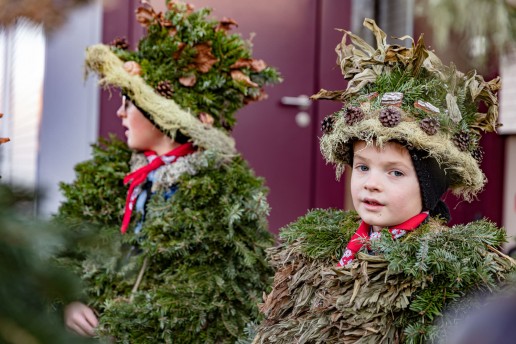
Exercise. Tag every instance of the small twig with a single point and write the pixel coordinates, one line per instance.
(513, 262)
(139, 279)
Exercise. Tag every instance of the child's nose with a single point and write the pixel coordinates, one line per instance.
(373, 182)
(121, 112)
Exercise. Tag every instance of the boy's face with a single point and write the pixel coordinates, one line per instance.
(141, 133)
(384, 185)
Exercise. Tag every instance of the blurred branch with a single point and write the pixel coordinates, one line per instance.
(488, 25)
(49, 13)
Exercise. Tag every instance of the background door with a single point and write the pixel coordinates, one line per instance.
(279, 141)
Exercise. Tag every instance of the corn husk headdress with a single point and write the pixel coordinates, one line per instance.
(186, 68)
(409, 95)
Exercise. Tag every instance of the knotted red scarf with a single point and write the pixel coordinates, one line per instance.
(361, 236)
(137, 177)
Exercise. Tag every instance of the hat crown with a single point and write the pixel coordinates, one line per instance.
(195, 61)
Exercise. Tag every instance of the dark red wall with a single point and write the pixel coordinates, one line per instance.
(117, 21)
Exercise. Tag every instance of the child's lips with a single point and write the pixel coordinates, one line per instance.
(372, 204)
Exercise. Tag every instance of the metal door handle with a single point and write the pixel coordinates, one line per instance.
(302, 101)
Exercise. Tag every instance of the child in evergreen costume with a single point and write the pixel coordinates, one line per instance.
(409, 129)
(191, 265)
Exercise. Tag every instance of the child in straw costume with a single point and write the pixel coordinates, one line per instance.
(189, 266)
(409, 129)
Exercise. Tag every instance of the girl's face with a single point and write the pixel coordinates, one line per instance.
(384, 185)
(141, 133)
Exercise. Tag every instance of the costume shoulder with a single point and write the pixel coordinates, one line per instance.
(394, 296)
(319, 235)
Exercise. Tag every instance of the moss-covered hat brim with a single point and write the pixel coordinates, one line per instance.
(465, 176)
(164, 113)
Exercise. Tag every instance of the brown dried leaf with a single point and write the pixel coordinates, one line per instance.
(241, 77)
(420, 54)
(165, 22)
(328, 95)
(378, 33)
(188, 80)
(255, 65)
(145, 15)
(132, 67)
(180, 47)
(178, 6)
(205, 59)
(4, 140)
(225, 24)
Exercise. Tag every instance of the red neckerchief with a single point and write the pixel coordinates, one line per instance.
(137, 177)
(361, 236)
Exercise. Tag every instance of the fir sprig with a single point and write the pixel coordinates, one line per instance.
(324, 232)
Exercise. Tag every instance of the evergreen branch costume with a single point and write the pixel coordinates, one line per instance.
(393, 287)
(191, 267)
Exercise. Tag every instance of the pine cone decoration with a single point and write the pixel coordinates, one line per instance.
(120, 43)
(390, 116)
(478, 154)
(353, 115)
(429, 125)
(165, 89)
(462, 140)
(327, 124)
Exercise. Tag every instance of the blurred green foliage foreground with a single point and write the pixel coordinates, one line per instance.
(31, 287)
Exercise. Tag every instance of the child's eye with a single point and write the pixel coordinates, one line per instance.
(396, 173)
(362, 168)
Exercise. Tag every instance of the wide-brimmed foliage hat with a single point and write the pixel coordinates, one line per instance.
(187, 67)
(408, 95)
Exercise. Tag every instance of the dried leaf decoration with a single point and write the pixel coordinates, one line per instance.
(204, 59)
(255, 65)
(132, 67)
(188, 80)
(362, 65)
(146, 16)
(226, 24)
(241, 77)
(178, 6)
(180, 47)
